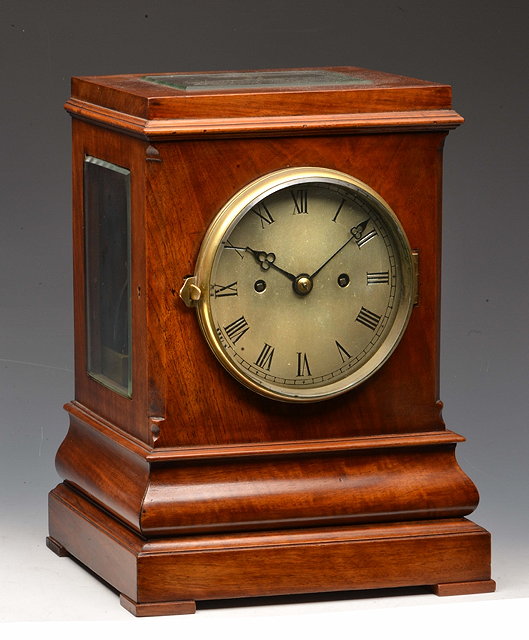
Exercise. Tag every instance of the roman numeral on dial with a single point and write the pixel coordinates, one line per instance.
(338, 210)
(300, 198)
(222, 291)
(236, 329)
(229, 245)
(303, 365)
(264, 360)
(368, 318)
(342, 351)
(378, 277)
(262, 212)
(369, 236)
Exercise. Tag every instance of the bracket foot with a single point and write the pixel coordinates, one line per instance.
(142, 609)
(464, 588)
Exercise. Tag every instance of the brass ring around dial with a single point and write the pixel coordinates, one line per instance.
(228, 340)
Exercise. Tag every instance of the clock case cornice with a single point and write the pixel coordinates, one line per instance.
(156, 112)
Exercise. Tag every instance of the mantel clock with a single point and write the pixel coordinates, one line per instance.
(257, 278)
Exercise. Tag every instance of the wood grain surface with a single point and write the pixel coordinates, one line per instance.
(182, 569)
(197, 488)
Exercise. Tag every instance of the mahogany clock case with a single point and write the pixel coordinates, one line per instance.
(193, 477)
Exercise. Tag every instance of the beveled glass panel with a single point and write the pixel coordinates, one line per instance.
(107, 237)
(257, 80)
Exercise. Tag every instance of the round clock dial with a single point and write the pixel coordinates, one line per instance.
(307, 283)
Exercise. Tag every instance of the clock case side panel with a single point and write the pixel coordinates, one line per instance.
(204, 405)
(126, 413)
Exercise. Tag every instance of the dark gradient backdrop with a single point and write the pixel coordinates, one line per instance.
(480, 47)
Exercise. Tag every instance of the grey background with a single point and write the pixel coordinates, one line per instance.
(478, 47)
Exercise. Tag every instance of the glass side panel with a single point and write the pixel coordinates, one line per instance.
(107, 238)
(256, 80)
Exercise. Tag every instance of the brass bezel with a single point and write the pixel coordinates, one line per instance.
(221, 227)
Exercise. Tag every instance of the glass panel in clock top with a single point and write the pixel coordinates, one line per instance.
(257, 80)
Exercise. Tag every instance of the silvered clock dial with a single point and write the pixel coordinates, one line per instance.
(304, 284)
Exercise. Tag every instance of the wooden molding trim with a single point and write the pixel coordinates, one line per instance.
(189, 128)
(151, 455)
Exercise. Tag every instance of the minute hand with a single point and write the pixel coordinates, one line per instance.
(356, 232)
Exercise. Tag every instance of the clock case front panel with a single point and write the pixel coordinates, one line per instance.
(194, 452)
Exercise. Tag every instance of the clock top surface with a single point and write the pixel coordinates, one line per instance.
(276, 92)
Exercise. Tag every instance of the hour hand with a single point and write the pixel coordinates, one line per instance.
(265, 260)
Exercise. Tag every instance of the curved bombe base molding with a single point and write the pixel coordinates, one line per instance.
(264, 486)
(168, 575)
